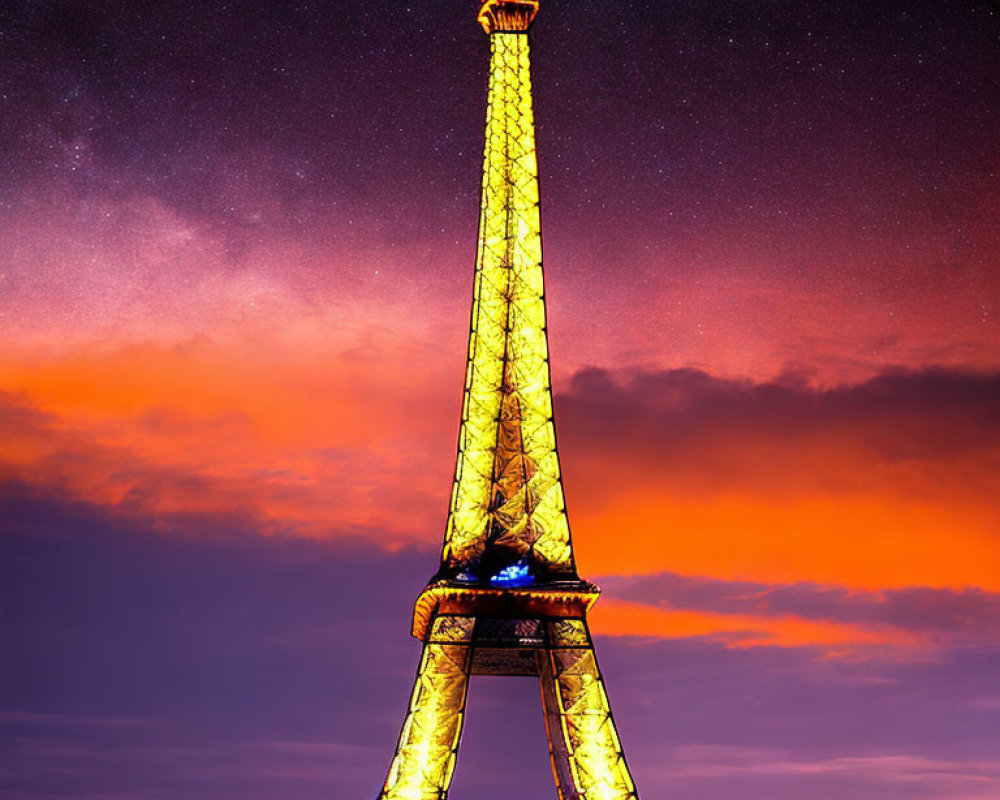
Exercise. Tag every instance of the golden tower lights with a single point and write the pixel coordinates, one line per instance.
(506, 599)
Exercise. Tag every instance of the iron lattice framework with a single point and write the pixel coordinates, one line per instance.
(507, 599)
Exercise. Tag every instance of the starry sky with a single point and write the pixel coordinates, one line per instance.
(235, 273)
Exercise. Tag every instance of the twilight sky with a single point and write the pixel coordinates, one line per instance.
(235, 274)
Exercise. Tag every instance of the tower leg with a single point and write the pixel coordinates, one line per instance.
(587, 758)
(428, 743)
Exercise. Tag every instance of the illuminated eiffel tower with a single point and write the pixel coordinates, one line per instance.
(507, 599)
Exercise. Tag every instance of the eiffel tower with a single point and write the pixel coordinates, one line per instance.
(507, 599)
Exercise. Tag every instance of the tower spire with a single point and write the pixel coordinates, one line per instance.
(507, 16)
(506, 599)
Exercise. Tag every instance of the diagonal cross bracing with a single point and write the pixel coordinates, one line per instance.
(508, 492)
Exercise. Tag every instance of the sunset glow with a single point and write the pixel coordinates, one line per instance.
(235, 282)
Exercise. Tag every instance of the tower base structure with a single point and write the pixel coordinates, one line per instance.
(541, 632)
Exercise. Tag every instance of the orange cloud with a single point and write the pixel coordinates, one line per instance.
(860, 541)
(299, 445)
(888, 484)
(613, 617)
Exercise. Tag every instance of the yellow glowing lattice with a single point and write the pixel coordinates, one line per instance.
(507, 490)
(425, 753)
(587, 757)
(507, 494)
